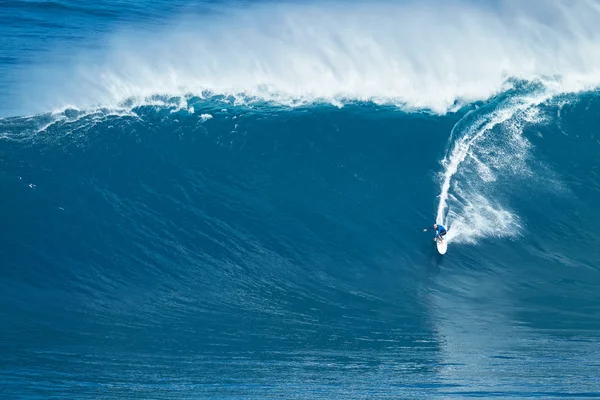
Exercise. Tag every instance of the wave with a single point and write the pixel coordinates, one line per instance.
(435, 56)
(486, 152)
(173, 213)
(194, 217)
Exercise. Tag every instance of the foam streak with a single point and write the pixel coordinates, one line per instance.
(491, 143)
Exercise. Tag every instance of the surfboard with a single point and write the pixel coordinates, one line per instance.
(442, 247)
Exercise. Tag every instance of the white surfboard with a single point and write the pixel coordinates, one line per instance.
(441, 247)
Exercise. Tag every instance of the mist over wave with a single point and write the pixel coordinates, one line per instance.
(430, 55)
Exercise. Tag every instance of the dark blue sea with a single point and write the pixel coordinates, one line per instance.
(226, 199)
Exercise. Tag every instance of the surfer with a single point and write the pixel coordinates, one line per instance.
(439, 232)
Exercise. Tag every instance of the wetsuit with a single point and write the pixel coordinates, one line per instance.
(440, 231)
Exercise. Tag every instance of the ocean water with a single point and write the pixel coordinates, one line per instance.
(226, 200)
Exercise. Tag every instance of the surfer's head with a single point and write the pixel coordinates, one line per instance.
(434, 226)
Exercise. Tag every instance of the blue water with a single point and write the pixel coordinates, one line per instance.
(227, 200)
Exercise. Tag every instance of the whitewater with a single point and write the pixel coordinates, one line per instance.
(435, 56)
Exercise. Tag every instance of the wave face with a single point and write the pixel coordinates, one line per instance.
(231, 209)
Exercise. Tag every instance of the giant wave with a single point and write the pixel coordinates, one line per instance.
(232, 205)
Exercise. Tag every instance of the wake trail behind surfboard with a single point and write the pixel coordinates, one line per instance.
(483, 145)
